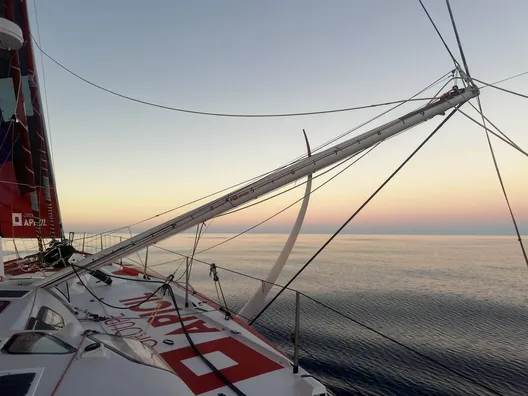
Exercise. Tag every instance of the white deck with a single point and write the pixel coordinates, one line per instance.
(250, 362)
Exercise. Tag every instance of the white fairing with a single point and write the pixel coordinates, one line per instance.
(11, 37)
(256, 302)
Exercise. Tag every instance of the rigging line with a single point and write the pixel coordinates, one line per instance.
(506, 79)
(219, 267)
(439, 34)
(199, 229)
(319, 361)
(437, 81)
(382, 114)
(510, 143)
(361, 153)
(493, 125)
(207, 196)
(213, 368)
(401, 344)
(458, 41)
(295, 202)
(445, 85)
(249, 205)
(504, 89)
(207, 113)
(503, 188)
(290, 162)
(262, 325)
(110, 305)
(346, 317)
(356, 212)
(44, 84)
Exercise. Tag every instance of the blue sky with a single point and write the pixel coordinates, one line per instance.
(117, 162)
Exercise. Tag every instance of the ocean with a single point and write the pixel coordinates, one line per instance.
(380, 314)
(458, 300)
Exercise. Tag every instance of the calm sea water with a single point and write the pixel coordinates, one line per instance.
(461, 300)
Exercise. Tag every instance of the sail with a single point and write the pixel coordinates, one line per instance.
(28, 203)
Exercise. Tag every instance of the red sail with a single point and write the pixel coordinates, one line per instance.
(21, 174)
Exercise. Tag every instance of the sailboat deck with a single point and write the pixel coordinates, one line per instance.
(238, 352)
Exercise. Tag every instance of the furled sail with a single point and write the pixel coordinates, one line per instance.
(28, 198)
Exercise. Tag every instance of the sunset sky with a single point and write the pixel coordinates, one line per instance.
(117, 162)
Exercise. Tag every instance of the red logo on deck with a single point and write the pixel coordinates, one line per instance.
(246, 363)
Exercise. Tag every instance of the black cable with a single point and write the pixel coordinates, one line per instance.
(501, 182)
(110, 305)
(451, 370)
(458, 40)
(339, 377)
(412, 98)
(207, 113)
(504, 89)
(364, 153)
(439, 34)
(199, 229)
(355, 213)
(508, 141)
(367, 327)
(485, 127)
(166, 287)
(249, 205)
(505, 79)
(218, 373)
(505, 137)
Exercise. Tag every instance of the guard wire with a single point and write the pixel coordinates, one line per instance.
(215, 114)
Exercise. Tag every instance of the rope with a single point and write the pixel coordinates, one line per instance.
(348, 317)
(215, 114)
(507, 141)
(504, 79)
(356, 212)
(216, 280)
(166, 287)
(115, 306)
(291, 162)
(503, 188)
(502, 133)
(218, 373)
(439, 34)
(504, 89)
(154, 313)
(44, 85)
(458, 40)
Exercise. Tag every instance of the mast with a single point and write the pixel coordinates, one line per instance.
(20, 124)
(271, 182)
(36, 102)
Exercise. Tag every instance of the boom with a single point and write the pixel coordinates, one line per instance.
(273, 181)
